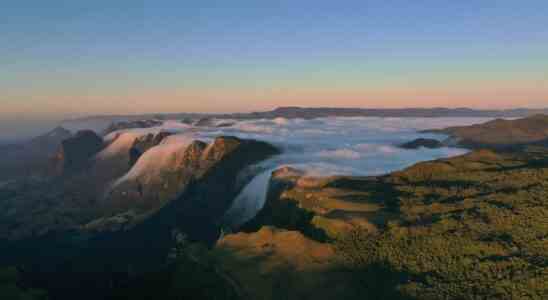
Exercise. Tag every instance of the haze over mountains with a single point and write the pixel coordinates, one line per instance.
(284, 191)
(100, 122)
(13, 130)
(318, 112)
(274, 150)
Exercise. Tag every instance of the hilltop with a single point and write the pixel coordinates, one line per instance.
(500, 133)
(436, 230)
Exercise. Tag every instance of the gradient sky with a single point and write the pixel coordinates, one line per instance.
(72, 58)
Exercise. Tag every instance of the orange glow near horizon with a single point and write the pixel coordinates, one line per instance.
(493, 96)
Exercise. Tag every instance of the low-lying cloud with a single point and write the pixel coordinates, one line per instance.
(320, 147)
(341, 146)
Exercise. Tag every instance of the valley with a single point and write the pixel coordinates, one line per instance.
(342, 208)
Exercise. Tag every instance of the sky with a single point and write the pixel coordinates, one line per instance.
(72, 58)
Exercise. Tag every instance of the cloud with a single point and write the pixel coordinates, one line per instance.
(339, 153)
(320, 147)
(158, 159)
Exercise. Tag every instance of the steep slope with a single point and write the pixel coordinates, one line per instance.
(501, 134)
(115, 159)
(201, 179)
(441, 230)
(91, 242)
(436, 230)
(144, 143)
(322, 208)
(204, 177)
(31, 157)
(75, 152)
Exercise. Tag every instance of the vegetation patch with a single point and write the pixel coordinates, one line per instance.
(471, 227)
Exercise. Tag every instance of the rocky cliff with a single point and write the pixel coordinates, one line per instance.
(437, 230)
(200, 180)
(75, 152)
(432, 231)
(144, 143)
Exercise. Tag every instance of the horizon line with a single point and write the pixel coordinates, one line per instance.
(106, 115)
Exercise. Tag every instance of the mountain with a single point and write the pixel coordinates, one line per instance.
(77, 225)
(144, 143)
(141, 213)
(115, 126)
(433, 231)
(99, 193)
(501, 134)
(75, 152)
(31, 157)
(308, 113)
(130, 121)
(50, 139)
(198, 181)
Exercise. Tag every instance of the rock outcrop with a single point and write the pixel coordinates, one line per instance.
(75, 152)
(196, 189)
(321, 208)
(199, 183)
(422, 143)
(142, 144)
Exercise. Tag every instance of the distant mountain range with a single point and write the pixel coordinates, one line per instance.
(304, 112)
(319, 112)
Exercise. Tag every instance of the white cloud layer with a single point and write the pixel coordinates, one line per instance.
(321, 147)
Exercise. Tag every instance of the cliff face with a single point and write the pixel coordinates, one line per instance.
(198, 183)
(437, 229)
(432, 230)
(216, 184)
(75, 152)
(144, 143)
(291, 240)
(322, 208)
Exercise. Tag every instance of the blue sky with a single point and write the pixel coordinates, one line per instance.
(64, 58)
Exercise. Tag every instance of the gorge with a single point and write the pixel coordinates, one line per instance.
(237, 186)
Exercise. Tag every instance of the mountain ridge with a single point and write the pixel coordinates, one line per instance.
(316, 112)
(500, 133)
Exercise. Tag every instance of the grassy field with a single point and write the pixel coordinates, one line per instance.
(469, 227)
